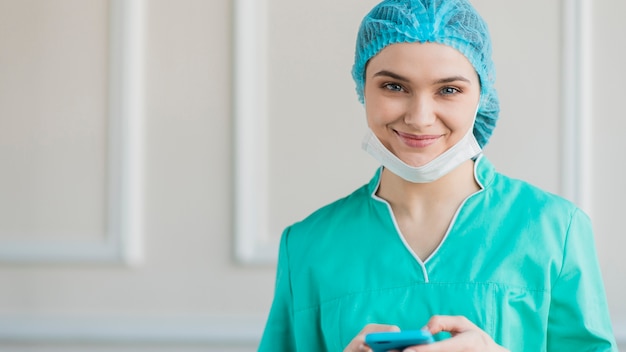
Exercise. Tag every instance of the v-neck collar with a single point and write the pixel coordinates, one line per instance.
(484, 173)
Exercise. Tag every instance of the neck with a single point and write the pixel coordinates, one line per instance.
(452, 187)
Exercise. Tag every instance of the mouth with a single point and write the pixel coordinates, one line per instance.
(417, 140)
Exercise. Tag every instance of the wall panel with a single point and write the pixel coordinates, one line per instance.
(213, 93)
(70, 131)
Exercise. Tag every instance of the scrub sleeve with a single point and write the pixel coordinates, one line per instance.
(578, 306)
(278, 335)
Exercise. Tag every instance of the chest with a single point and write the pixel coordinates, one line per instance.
(424, 233)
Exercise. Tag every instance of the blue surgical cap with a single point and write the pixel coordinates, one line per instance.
(451, 22)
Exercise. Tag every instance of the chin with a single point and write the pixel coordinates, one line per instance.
(417, 162)
(418, 159)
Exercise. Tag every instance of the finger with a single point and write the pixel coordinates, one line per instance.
(442, 346)
(459, 343)
(358, 343)
(452, 324)
(378, 328)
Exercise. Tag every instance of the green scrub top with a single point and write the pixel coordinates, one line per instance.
(520, 263)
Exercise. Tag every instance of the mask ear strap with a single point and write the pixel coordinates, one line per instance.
(471, 129)
(476, 113)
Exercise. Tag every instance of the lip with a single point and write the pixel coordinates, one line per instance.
(417, 140)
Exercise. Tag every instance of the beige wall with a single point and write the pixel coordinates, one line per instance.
(65, 288)
(608, 134)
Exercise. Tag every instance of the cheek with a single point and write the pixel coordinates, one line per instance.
(374, 114)
(380, 110)
(461, 121)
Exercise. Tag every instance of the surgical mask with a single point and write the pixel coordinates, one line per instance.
(463, 150)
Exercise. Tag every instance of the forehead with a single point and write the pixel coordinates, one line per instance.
(421, 60)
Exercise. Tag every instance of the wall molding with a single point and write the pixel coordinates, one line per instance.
(576, 104)
(199, 330)
(122, 242)
(253, 243)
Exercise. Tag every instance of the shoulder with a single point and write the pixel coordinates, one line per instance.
(334, 213)
(515, 200)
(543, 211)
(522, 194)
(335, 226)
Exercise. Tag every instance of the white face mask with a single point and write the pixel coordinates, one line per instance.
(463, 150)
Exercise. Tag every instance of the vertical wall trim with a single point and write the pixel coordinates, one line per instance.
(577, 100)
(252, 240)
(125, 141)
(577, 87)
(126, 130)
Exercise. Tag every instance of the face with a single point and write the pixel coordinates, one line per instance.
(420, 99)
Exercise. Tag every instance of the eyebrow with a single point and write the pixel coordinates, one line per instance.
(392, 75)
(452, 79)
(404, 79)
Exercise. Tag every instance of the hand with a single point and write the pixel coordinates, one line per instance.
(466, 337)
(358, 342)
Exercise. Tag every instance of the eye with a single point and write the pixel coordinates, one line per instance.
(394, 87)
(449, 91)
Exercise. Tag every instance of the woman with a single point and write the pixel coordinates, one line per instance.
(438, 239)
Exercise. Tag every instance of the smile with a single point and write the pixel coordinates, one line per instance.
(417, 141)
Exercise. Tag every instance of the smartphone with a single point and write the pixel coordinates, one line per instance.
(385, 341)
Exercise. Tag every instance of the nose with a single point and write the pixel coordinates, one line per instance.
(420, 112)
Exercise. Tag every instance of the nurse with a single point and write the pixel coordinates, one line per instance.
(438, 239)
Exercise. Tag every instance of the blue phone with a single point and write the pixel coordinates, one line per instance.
(385, 341)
